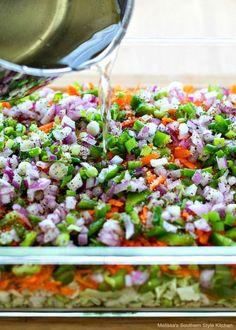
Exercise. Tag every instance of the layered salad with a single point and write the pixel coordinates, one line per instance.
(166, 178)
(118, 286)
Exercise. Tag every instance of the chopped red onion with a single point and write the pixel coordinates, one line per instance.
(191, 124)
(129, 228)
(6, 192)
(143, 133)
(206, 276)
(173, 135)
(137, 185)
(116, 160)
(9, 172)
(70, 202)
(41, 184)
(49, 229)
(142, 143)
(16, 182)
(121, 186)
(138, 277)
(202, 224)
(90, 183)
(139, 171)
(111, 191)
(128, 280)
(70, 139)
(97, 191)
(130, 157)
(83, 239)
(42, 165)
(97, 277)
(222, 163)
(88, 138)
(185, 143)
(199, 208)
(48, 115)
(197, 177)
(20, 209)
(169, 227)
(189, 226)
(67, 122)
(111, 233)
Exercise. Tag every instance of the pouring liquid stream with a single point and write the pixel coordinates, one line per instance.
(105, 94)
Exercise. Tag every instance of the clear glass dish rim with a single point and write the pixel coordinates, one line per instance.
(118, 255)
(144, 312)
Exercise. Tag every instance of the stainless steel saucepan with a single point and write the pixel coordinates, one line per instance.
(43, 39)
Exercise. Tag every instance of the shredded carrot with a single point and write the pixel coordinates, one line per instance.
(146, 159)
(6, 105)
(91, 85)
(180, 152)
(50, 103)
(128, 268)
(232, 89)
(159, 243)
(47, 127)
(188, 89)
(122, 100)
(87, 283)
(115, 202)
(113, 210)
(159, 180)
(185, 215)
(128, 123)
(143, 215)
(187, 163)
(195, 273)
(166, 120)
(4, 284)
(91, 212)
(203, 236)
(71, 90)
(66, 291)
(141, 241)
(198, 103)
(113, 269)
(150, 177)
(109, 215)
(110, 155)
(164, 268)
(183, 271)
(233, 270)
(172, 112)
(49, 286)
(84, 271)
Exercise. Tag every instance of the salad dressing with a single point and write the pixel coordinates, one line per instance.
(105, 93)
(66, 35)
(74, 32)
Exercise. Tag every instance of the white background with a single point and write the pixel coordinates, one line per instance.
(142, 59)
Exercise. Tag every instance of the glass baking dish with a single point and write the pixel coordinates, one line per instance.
(120, 281)
(143, 59)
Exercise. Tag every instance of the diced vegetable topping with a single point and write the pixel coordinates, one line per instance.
(118, 286)
(168, 176)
